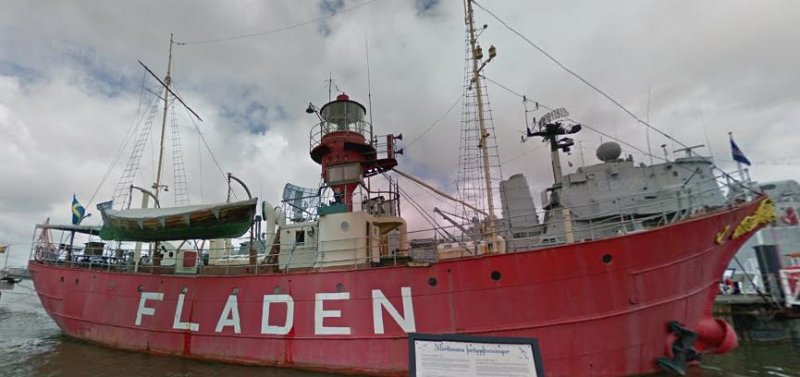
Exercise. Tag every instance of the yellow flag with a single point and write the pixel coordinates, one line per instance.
(3, 248)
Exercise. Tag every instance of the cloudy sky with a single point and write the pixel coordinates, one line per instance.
(70, 86)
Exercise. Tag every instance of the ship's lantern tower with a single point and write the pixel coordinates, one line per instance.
(344, 115)
(342, 143)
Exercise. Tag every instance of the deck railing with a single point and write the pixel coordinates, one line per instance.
(621, 218)
(323, 128)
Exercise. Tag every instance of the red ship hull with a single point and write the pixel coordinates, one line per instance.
(592, 316)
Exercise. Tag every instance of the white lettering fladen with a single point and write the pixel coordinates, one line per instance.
(176, 322)
(144, 310)
(266, 328)
(379, 301)
(230, 316)
(320, 314)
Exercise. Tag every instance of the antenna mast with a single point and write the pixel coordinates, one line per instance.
(369, 88)
(330, 85)
(167, 81)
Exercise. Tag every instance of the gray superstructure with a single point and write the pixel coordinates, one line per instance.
(519, 212)
(612, 197)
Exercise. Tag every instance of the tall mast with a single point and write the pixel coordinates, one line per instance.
(167, 82)
(476, 57)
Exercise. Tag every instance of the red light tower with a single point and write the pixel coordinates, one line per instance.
(343, 144)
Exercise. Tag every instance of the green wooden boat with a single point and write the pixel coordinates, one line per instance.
(208, 221)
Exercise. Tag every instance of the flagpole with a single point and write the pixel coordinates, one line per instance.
(759, 234)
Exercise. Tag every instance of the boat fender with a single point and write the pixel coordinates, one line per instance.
(684, 346)
(715, 335)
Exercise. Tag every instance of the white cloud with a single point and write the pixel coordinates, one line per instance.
(69, 86)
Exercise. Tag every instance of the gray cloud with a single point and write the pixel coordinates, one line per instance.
(69, 86)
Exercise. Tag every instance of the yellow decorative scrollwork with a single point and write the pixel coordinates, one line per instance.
(765, 214)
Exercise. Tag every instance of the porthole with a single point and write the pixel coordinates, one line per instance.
(345, 226)
(495, 275)
(432, 281)
(607, 258)
(340, 287)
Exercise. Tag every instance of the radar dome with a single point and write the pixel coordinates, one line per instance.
(608, 151)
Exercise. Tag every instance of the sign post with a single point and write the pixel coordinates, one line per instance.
(445, 355)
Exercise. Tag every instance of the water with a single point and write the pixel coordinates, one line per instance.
(777, 360)
(32, 345)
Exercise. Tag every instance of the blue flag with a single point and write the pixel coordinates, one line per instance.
(738, 156)
(77, 211)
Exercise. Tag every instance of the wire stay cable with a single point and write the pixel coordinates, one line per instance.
(432, 125)
(579, 77)
(278, 30)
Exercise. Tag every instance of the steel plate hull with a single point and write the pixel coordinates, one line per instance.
(592, 316)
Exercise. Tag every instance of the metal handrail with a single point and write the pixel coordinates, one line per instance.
(323, 128)
(618, 218)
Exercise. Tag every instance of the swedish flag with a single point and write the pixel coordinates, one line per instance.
(77, 211)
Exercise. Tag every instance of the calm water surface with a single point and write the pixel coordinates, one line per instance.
(32, 345)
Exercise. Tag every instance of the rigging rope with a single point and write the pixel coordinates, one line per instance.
(526, 98)
(536, 148)
(413, 203)
(285, 28)
(432, 125)
(121, 148)
(205, 142)
(646, 154)
(583, 80)
(427, 217)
